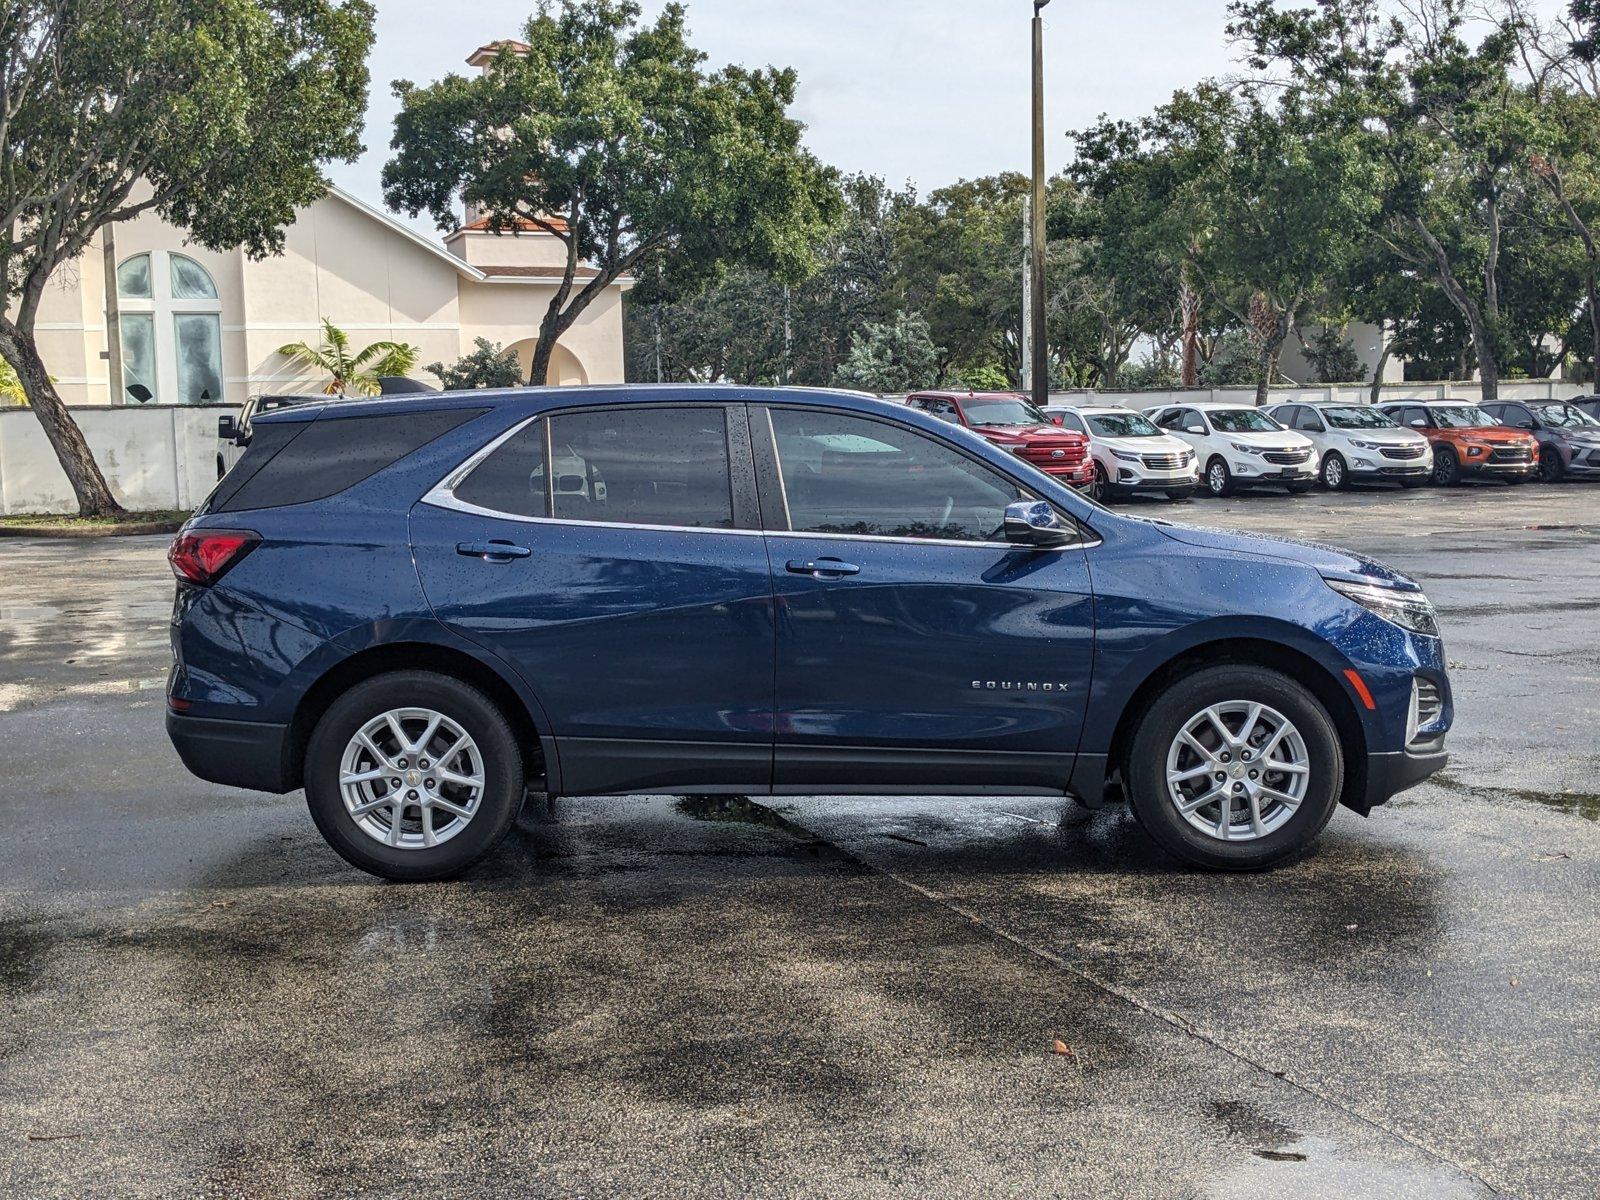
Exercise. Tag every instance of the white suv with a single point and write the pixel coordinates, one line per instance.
(1359, 442)
(1131, 454)
(1239, 446)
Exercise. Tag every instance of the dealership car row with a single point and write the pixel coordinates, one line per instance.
(1220, 447)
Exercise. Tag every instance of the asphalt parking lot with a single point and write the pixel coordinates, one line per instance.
(829, 996)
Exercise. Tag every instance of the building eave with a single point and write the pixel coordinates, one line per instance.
(404, 230)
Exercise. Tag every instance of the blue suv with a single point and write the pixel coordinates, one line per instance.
(418, 609)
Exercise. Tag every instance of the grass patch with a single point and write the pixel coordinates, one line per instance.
(44, 523)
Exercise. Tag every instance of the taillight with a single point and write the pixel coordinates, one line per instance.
(204, 556)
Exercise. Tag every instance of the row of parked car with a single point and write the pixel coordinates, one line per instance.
(1218, 446)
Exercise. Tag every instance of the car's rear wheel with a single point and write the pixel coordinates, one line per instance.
(1334, 475)
(1235, 768)
(1446, 467)
(1219, 480)
(413, 775)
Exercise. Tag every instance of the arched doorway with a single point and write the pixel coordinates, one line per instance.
(565, 369)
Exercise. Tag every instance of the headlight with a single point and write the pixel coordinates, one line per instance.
(1246, 449)
(1126, 455)
(1409, 610)
(1360, 445)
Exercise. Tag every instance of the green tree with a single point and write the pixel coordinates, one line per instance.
(1443, 120)
(610, 136)
(897, 356)
(351, 373)
(214, 114)
(958, 261)
(488, 366)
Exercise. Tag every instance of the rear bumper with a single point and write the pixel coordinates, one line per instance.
(1392, 772)
(246, 754)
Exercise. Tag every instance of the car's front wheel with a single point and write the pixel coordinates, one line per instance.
(1551, 468)
(413, 775)
(1235, 768)
(1334, 476)
(1219, 480)
(1446, 467)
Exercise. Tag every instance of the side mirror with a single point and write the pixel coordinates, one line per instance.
(227, 430)
(1035, 523)
(1057, 419)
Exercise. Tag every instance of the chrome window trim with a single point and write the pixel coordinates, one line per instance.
(442, 495)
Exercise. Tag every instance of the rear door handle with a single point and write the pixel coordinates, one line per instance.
(492, 551)
(822, 568)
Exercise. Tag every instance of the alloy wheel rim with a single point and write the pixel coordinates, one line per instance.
(411, 778)
(1216, 477)
(1238, 771)
(1335, 473)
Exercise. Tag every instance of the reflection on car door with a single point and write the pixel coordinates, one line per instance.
(612, 556)
(915, 649)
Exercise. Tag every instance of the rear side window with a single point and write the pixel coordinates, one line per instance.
(642, 466)
(297, 462)
(512, 479)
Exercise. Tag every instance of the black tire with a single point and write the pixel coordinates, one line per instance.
(1299, 489)
(1335, 472)
(1100, 489)
(1173, 709)
(1180, 493)
(1446, 467)
(1551, 468)
(1218, 479)
(462, 703)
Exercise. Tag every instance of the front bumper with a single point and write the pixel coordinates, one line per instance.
(1392, 772)
(1258, 472)
(246, 754)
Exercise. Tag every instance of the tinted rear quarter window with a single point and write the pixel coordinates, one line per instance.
(297, 462)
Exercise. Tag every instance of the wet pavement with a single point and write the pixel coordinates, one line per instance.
(819, 996)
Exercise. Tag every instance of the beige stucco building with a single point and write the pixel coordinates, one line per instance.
(201, 326)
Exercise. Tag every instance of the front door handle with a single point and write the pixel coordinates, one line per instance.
(822, 568)
(494, 551)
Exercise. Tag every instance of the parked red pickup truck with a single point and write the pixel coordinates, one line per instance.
(1012, 422)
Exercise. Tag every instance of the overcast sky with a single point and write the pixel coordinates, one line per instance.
(929, 91)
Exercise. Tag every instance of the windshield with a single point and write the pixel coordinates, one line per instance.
(1564, 416)
(1121, 425)
(1003, 412)
(1242, 420)
(1357, 418)
(1461, 416)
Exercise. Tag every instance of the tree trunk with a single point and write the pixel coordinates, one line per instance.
(1273, 337)
(66, 439)
(1377, 371)
(1189, 306)
(1482, 341)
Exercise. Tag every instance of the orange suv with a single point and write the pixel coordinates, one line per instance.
(1467, 442)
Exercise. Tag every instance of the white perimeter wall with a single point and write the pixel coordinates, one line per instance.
(152, 457)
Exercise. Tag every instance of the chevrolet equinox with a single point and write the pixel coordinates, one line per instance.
(418, 609)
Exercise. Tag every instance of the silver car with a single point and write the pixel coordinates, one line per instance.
(1359, 442)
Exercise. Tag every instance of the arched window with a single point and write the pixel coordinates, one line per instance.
(170, 320)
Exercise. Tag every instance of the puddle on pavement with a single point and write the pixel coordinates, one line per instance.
(1579, 804)
(1318, 1169)
(739, 810)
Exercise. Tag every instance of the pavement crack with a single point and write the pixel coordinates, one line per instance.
(1166, 1016)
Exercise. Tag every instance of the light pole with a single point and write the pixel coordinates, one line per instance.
(1039, 373)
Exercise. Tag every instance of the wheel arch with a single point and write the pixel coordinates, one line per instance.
(1305, 669)
(419, 656)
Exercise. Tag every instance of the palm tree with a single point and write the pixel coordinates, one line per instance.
(352, 373)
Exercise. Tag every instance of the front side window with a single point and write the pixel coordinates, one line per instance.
(1242, 420)
(1071, 420)
(642, 466)
(850, 475)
